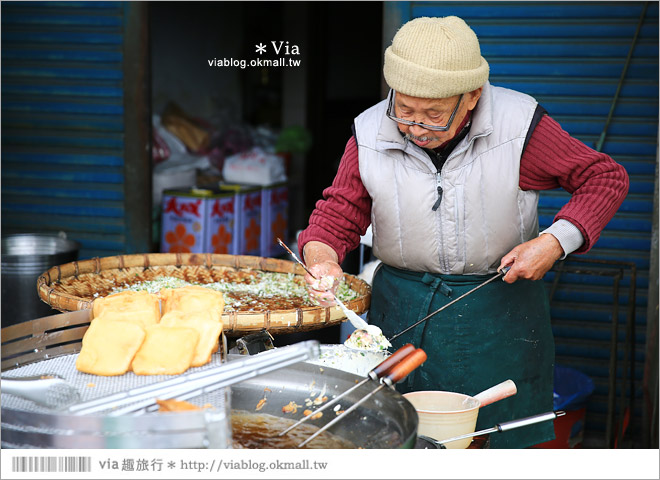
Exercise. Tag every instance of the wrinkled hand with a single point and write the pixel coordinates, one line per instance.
(531, 260)
(322, 288)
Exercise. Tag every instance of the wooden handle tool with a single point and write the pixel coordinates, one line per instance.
(397, 373)
(378, 371)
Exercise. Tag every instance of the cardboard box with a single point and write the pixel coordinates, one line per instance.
(274, 219)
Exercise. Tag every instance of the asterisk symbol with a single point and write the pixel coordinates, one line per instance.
(171, 464)
(261, 48)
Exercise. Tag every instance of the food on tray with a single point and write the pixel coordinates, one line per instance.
(141, 308)
(171, 405)
(166, 350)
(358, 362)
(252, 287)
(363, 340)
(185, 336)
(326, 282)
(249, 290)
(109, 346)
(208, 328)
(193, 298)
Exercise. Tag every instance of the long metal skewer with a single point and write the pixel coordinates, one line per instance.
(498, 275)
(353, 317)
(381, 369)
(295, 257)
(502, 427)
(397, 373)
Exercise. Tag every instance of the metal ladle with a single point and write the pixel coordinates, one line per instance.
(500, 427)
(48, 390)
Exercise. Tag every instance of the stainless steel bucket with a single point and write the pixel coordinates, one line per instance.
(25, 256)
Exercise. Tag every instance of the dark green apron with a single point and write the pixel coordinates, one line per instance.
(501, 331)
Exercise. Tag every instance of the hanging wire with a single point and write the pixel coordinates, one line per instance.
(603, 134)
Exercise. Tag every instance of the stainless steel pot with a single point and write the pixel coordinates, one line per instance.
(25, 256)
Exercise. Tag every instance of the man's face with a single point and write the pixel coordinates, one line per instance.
(432, 112)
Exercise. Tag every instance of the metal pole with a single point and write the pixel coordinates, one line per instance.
(611, 394)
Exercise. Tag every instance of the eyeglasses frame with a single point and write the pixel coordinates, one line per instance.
(433, 128)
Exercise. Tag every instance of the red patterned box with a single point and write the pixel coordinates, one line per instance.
(274, 218)
(183, 221)
(248, 217)
(221, 232)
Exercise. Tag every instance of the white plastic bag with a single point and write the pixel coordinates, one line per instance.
(254, 167)
(179, 169)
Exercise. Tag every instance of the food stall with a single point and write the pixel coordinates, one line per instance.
(50, 346)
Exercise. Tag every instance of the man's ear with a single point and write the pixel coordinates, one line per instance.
(473, 98)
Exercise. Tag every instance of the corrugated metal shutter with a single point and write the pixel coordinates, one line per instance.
(63, 123)
(570, 56)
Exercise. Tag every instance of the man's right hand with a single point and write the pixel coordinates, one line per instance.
(322, 262)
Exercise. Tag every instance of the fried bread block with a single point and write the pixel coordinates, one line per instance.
(209, 331)
(171, 405)
(166, 350)
(141, 308)
(193, 298)
(109, 346)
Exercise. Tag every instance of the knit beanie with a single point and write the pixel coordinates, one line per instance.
(435, 58)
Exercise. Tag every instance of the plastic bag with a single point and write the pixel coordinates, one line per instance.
(159, 150)
(179, 168)
(254, 167)
(572, 389)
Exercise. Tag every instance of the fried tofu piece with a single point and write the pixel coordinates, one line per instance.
(171, 405)
(141, 308)
(193, 298)
(209, 331)
(166, 350)
(109, 346)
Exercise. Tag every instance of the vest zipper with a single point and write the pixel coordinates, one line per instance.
(438, 179)
(436, 205)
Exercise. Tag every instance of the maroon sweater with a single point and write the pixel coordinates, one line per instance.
(552, 159)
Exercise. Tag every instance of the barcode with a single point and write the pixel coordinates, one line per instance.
(51, 464)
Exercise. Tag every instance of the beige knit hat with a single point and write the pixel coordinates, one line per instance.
(435, 58)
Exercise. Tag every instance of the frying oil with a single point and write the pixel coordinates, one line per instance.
(250, 430)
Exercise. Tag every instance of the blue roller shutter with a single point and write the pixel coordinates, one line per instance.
(570, 56)
(66, 132)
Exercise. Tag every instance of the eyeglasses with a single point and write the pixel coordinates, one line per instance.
(435, 128)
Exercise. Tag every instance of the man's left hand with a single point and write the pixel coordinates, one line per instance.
(531, 260)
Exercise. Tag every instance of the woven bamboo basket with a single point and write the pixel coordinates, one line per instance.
(74, 286)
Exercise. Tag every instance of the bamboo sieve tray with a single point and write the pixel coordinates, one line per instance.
(72, 286)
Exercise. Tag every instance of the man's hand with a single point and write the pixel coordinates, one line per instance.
(322, 262)
(328, 275)
(531, 260)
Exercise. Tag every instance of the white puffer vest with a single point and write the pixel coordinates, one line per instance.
(483, 213)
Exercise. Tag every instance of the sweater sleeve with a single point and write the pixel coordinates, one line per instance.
(597, 184)
(344, 213)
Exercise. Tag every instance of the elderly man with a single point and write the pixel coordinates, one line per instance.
(447, 170)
